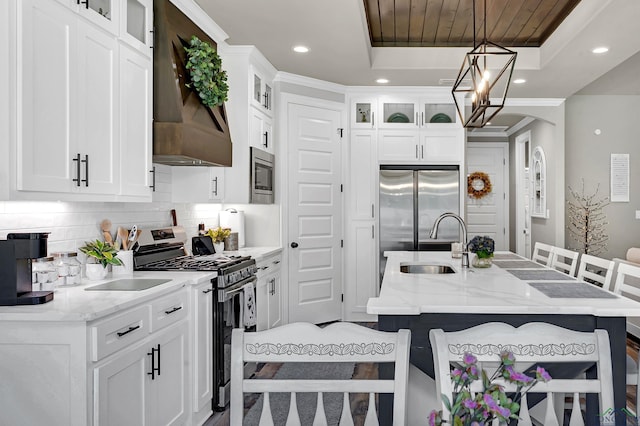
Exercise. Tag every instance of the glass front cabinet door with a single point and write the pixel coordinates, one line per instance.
(101, 12)
(399, 113)
(363, 113)
(137, 24)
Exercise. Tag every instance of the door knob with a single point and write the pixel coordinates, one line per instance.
(294, 244)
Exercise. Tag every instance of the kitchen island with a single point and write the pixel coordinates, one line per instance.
(469, 297)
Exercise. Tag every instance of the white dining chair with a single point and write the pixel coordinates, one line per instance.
(304, 342)
(627, 284)
(530, 343)
(564, 260)
(596, 270)
(542, 253)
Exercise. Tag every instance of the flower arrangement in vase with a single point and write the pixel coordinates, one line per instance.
(218, 235)
(482, 408)
(483, 247)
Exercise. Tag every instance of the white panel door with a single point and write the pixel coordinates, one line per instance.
(315, 224)
(489, 215)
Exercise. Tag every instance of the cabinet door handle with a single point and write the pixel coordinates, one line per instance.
(417, 123)
(373, 232)
(207, 291)
(372, 211)
(77, 178)
(422, 152)
(422, 118)
(153, 179)
(129, 330)
(153, 39)
(86, 170)
(154, 369)
(417, 152)
(373, 118)
(266, 139)
(215, 188)
(175, 309)
(273, 286)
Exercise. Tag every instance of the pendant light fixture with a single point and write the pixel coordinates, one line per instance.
(489, 68)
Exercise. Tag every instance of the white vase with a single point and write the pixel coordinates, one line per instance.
(219, 247)
(95, 271)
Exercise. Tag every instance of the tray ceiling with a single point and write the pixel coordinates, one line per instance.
(449, 23)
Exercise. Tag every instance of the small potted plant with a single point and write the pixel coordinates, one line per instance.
(100, 254)
(483, 247)
(218, 235)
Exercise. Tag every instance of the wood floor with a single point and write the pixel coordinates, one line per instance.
(367, 370)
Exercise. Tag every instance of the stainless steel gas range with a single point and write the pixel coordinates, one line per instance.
(164, 250)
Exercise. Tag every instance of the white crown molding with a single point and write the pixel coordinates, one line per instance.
(520, 125)
(534, 102)
(285, 77)
(201, 19)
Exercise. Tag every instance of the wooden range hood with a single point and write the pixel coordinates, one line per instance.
(185, 132)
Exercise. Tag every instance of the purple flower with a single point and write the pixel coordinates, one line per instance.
(470, 403)
(541, 374)
(519, 377)
(432, 418)
(504, 412)
(507, 358)
(491, 403)
(469, 359)
(473, 370)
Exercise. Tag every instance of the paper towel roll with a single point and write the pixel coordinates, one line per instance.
(234, 219)
(633, 255)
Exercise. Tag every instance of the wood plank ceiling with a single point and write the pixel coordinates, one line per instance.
(446, 23)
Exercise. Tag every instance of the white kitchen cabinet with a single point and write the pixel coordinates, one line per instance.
(146, 384)
(269, 292)
(398, 112)
(250, 123)
(261, 131)
(261, 89)
(360, 239)
(136, 109)
(361, 277)
(84, 120)
(202, 351)
(191, 184)
(136, 25)
(363, 112)
(427, 146)
(69, 127)
(103, 13)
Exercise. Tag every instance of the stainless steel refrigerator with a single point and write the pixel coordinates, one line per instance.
(411, 198)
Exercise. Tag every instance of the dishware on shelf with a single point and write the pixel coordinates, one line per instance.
(440, 118)
(398, 117)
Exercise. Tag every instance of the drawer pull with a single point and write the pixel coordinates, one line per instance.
(209, 290)
(177, 308)
(122, 333)
(275, 262)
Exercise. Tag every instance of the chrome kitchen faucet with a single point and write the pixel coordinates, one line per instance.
(434, 234)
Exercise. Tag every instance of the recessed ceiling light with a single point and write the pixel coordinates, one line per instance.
(382, 81)
(300, 49)
(601, 49)
(519, 81)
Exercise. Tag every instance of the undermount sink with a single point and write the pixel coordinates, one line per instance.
(424, 268)
(131, 284)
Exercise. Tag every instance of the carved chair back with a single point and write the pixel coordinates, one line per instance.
(305, 342)
(531, 344)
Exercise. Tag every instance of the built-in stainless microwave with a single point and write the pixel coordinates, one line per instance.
(262, 177)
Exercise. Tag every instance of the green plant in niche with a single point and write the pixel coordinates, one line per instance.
(207, 76)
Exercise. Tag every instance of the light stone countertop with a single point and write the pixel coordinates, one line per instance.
(490, 290)
(258, 253)
(76, 304)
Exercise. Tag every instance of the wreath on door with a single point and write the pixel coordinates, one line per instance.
(478, 185)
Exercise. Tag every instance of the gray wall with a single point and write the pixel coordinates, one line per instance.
(542, 230)
(588, 157)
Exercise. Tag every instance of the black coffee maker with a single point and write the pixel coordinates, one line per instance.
(16, 253)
